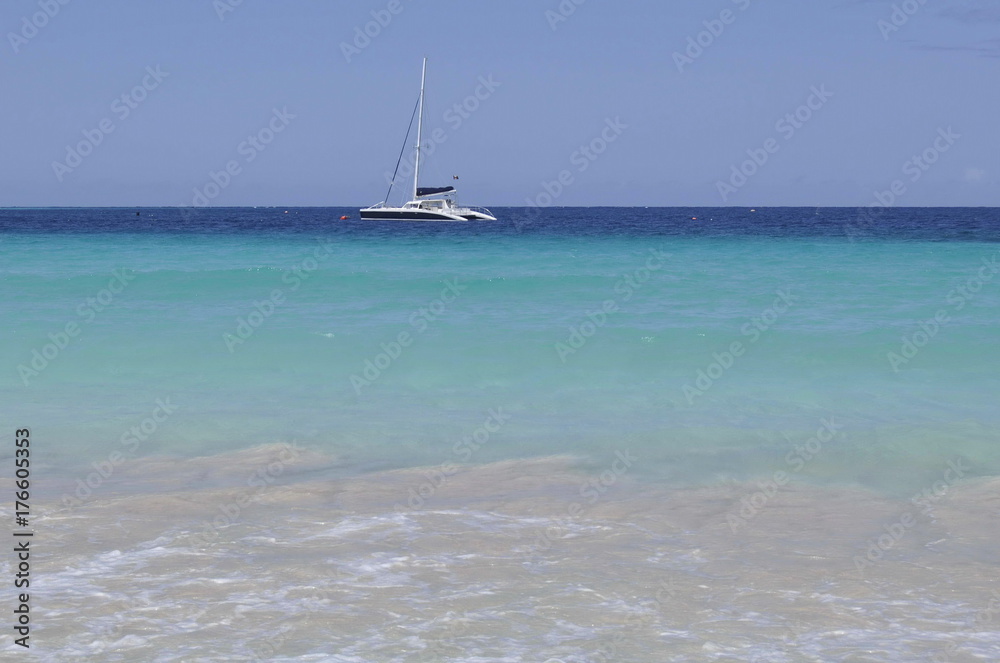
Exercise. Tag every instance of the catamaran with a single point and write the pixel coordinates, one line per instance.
(429, 203)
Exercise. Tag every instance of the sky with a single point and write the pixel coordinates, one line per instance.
(547, 102)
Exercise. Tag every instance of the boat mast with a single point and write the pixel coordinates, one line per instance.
(420, 123)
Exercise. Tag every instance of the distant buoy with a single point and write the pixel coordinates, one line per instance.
(753, 210)
(694, 218)
(286, 211)
(344, 218)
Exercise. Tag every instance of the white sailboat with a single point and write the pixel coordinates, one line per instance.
(429, 203)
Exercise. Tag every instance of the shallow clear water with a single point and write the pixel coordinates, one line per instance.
(732, 401)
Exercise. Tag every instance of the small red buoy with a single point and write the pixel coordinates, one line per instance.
(344, 218)
(694, 218)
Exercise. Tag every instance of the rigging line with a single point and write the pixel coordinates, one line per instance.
(400, 159)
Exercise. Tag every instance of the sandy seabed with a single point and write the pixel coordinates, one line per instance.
(272, 554)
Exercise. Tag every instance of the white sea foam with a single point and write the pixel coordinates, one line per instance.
(331, 570)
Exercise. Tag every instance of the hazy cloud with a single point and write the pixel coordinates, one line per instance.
(983, 11)
(987, 49)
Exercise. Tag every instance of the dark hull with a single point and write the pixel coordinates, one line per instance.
(389, 215)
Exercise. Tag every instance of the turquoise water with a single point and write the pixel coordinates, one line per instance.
(568, 436)
(345, 289)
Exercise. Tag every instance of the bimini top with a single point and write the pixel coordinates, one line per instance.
(433, 190)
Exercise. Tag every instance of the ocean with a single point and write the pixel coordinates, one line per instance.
(572, 435)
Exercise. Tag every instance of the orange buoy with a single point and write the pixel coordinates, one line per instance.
(344, 218)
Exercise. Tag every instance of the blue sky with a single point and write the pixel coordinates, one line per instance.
(270, 90)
